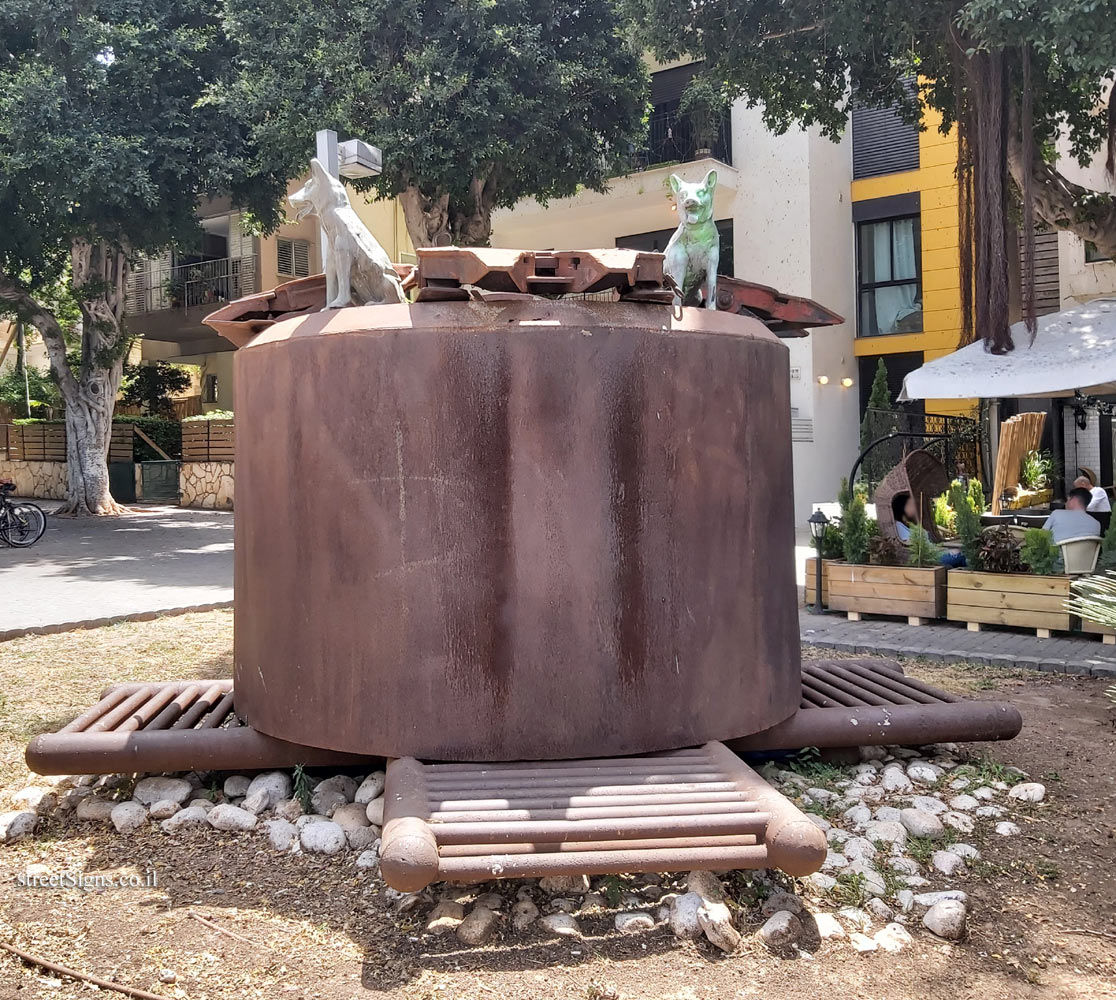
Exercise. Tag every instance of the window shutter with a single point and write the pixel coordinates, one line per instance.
(284, 251)
(301, 258)
(293, 257)
(882, 142)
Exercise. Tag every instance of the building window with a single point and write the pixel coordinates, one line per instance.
(882, 142)
(293, 257)
(889, 276)
(209, 389)
(1093, 255)
(656, 243)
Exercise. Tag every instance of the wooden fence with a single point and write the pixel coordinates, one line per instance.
(47, 442)
(208, 441)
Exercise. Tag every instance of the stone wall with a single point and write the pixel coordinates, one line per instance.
(43, 480)
(206, 484)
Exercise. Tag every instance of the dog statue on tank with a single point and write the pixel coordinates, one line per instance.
(356, 266)
(694, 250)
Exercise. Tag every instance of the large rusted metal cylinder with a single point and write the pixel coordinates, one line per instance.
(509, 530)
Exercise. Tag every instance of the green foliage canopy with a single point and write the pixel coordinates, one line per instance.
(475, 103)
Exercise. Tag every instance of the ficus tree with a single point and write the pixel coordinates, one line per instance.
(475, 103)
(105, 149)
(1014, 76)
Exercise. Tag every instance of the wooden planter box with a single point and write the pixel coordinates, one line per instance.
(1020, 599)
(919, 593)
(811, 576)
(1108, 636)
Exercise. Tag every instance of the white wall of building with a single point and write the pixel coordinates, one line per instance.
(788, 197)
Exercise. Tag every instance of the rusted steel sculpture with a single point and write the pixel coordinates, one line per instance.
(556, 561)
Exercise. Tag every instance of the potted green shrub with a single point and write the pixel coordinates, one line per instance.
(704, 105)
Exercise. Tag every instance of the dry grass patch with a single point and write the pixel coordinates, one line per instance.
(45, 680)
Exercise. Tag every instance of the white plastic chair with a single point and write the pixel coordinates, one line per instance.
(1079, 555)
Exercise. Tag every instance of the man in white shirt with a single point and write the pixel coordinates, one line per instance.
(1073, 522)
(1099, 502)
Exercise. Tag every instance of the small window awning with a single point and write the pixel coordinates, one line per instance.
(1073, 350)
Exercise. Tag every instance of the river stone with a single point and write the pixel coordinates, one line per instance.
(819, 821)
(716, 922)
(370, 788)
(351, 815)
(895, 779)
(446, 916)
(920, 823)
(928, 803)
(190, 816)
(966, 851)
(984, 793)
(280, 833)
(148, 791)
(873, 880)
(886, 814)
(879, 909)
(904, 866)
(230, 817)
(887, 832)
(781, 901)
(855, 917)
(905, 899)
(931, 898)
(19, 823)
(990, 812)
(834, 861)
(781, 931)
(835, 835)
(128, 817)
(630, 922)
(236, 786)
(862, 943)
(523, 914)
(563, 925)
(205, 804)
(1007, 829)
(478, 926)
(554, 885)
(859, 849)
(322, 838)
(369, 858)
(857, 815)
(361, 837)
(164, 809)
(375, 811)
(277, 784)
(820, 882)
(97, 810)
(959, 821)
(893, 938)
(706, 885)
(342, 783)
(684, 916)
(828, 926)
(308, 818)
(868, 754)
(288, 809)
(257, 802)
(36, 798)
(924, 773)
(964, 803)
(326, 801)
(946, 919)
(1028, 791)
(947, 862)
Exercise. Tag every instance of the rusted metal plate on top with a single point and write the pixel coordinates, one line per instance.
(552, 530)
(785, 315)
(442, 270)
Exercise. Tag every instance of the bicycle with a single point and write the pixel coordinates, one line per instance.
(21, 524)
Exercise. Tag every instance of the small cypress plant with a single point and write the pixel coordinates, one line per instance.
(857, 531)
(1039, 553)
(967, 521)
(921, 550)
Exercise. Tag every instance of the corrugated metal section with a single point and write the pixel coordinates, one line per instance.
(668, 84)
(882, 142)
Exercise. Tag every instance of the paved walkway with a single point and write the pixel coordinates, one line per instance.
(952, 642)
(89, 569)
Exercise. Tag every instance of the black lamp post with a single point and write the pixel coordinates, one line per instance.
(818, 523)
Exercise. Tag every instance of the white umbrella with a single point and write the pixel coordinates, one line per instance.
(1073, 350)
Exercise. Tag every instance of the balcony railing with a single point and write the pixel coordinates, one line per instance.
(157, 286)
(671, 138)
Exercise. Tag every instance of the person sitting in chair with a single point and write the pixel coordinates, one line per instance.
(1074, 521)
(905, 510)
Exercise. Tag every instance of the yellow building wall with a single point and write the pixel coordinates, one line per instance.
(936, 182)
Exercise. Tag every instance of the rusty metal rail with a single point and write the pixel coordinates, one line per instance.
(686, 809)
(191, 725)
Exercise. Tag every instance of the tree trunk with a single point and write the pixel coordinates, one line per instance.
(439, 220)
(1061, 203)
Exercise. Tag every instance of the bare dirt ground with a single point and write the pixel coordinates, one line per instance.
(1043, 920)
